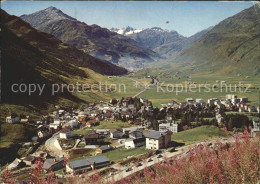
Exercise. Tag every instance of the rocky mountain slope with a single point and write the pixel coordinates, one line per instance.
(155, 37)
(164, 42)
(94, 40)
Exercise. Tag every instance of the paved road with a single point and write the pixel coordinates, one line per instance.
(123, 174)
(146, 87)
(52, 148)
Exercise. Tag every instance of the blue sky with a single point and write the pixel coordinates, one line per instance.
(187, 18)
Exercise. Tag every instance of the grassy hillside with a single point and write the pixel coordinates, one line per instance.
(198, 134)
(33, 57)
(231, 47)
(12, 137)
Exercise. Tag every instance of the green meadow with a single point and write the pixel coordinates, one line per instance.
(198, 134)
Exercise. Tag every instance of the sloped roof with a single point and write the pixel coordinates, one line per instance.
(50, 161)
(88, 162)
(79, 163)
(98, 159)
(66, 129)
(29, 158)
(139, 140)
(156, 134)
(105, 147)
(91, 135)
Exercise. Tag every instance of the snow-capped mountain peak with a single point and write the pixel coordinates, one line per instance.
(126, 30)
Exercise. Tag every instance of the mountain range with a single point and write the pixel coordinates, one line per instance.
(164, 42)
(92, 39)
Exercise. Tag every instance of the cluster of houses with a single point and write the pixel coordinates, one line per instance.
(128, 109)
(131, 137)
(54, 164)
(28, 161)
(231, 102)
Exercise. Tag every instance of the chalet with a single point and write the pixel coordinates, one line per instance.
(17, 163)
(61, 111)
(95, 113)
(183, 105)
(29, 160)
(219, 118)
(127, 114)
(212, 101)
(133, 110)
(158, 140)
(143, 100)
(44, 133)
(172, 103)
(83, 165)
(25, 119)
(148, 108)
(103, 131)
(244, 100)
(73, 123)
(164, 127)
(91, 123)
(12, 119)
(136, 134)
(83, 123)
(53, 164)
(107, 115)
(255, 132)
(246, 106)
(137, 122)
(147, 123)
(66, 133)
(56, 124)
(134, 143)
(228, 105)
(169, 117)
(40, 154)
(131, 106)
(130, 129)
(220, 106)
(251, 109)
(113, 101)
(241, 109)
(235, 100)
(115, 134)
(230, 97)
(92, 138)
(87, 112)
(130, 122)
(103, 149)
(126, 101)
(198, 100)
(189, 100)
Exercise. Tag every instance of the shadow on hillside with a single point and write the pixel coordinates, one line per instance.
(9, 154)
(176, 144)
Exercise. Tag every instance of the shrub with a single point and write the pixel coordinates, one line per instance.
(227, 163)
